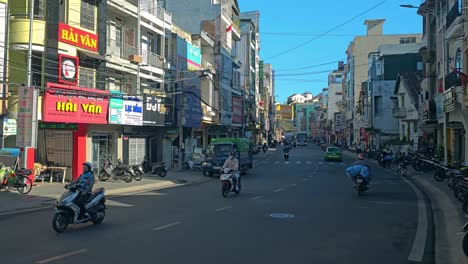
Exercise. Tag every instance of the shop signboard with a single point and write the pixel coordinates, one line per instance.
(193, 57)
(237, 110)
(68, 69)
(449, 101)
(127, 110)
(439, 107)
(66, 104)
(77, 37)
(58, 126)
(191, 102)
(9, 127)
(154, 111)
(24, 123)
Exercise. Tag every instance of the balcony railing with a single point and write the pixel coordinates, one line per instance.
(453, 14)
(120, 50)
(399, 112)
(452, 80)
(150, 58)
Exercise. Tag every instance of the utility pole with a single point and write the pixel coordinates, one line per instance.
(180, 121)
(138, 44)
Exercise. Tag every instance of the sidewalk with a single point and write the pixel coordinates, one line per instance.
(45, 194)
(447, 216)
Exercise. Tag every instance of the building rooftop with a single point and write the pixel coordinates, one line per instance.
(398, 49)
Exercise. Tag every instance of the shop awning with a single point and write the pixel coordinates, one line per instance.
(84, 55)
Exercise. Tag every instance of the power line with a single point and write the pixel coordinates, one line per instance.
(328, 31)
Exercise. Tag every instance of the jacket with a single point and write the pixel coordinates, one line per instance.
(86, 181)
(232, 164)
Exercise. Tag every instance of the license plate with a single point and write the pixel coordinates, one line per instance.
(359, 180)
(216, 168)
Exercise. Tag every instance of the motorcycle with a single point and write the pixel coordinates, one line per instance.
(227, 182)
(403, 167)
(120, 171)
(159, 169)
(465, 239)
(360, 185)
(67, 211)
(138, 171)
(286, 155)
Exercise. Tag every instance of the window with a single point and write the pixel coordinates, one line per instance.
(86, 77)
(415, 127)
(458, 60)
(378, 105)
(39, 8)
(338, 79)
(407, 40)
(87, 14)
(460, 6)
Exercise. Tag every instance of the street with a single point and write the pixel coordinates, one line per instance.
(325, 221)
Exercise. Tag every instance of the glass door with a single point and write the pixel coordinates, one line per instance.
(100, 152)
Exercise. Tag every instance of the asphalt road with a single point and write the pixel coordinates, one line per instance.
(327, 222)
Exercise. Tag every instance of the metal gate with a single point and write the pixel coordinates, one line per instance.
(136, 150)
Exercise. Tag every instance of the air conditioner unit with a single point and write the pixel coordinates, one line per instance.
(135, 58)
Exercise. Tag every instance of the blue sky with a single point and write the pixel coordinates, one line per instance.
(287, 24)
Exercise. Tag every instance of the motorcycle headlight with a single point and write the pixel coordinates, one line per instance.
(206, 164)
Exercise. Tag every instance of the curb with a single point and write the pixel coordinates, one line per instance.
(48, 204)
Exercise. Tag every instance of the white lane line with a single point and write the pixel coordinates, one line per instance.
(304, 179)
(26, 210)
(278, 190)
(257, 197)
(308, 162)
(293, 185)
(286, 162)
(298, 162)
(223, 208)
(419, 243)
(311, 176)
(320, 162)
(166, 226)
(59, 257)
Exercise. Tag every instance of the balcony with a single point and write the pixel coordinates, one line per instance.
(120, 50)
(452, 15)
(399, 112)
(452, 80)
(151, 59)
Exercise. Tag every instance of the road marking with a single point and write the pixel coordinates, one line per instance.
(286, 162)
(320, 162)
(293, 185)
(311, 176)
(304, 179)
(419, 243)
(59, 257)
(223, 208)
(298, 162)
(308, 162)
(26, 210)
(166, 226)
(277, 162)
(381, 202)
(257, 197)
(278, 190)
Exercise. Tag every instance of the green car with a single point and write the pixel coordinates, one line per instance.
(333, 153)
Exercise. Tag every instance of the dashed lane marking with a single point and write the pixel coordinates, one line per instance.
(223, 208)
(60, 257)
(298, 162)
(166, 226)
(257, 197)
(278, 190)
(293, 185)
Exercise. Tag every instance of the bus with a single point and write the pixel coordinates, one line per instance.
(302, 139)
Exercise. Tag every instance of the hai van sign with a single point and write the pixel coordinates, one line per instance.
(77, 37)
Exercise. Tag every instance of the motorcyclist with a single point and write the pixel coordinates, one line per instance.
(264, 147)
(286, 152)
(85, 184)
(360, 167)
(233, 164)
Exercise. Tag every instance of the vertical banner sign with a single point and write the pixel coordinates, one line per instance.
(24, 123)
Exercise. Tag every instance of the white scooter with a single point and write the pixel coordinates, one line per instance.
(67, 211)
(227, 180)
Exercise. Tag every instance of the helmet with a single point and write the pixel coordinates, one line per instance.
(89, 164)
(231, 153)
(361, 156)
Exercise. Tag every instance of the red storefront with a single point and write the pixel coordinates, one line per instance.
(65, 104)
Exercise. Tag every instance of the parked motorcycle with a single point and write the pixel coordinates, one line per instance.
(138, 171)
(227, 182)
(121, 171)
(67, 211)
(159, 169)
(465, 239)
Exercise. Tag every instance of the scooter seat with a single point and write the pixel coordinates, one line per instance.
(122, 166)
(95, 193)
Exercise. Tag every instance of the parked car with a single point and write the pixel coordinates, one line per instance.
(333, 153)
(218, 151)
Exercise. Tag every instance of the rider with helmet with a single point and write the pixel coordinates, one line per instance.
(85, 184)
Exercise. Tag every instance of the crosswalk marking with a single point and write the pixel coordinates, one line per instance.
(308, 162)
(298, 162)
(277, 162)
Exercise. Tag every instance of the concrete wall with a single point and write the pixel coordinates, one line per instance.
(188, 14)
(384, 120)
(333, 98)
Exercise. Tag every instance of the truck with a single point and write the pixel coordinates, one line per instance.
(218, 150)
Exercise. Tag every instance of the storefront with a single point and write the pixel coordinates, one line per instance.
(60, 141)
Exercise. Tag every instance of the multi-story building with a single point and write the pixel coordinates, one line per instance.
(284, 119)
(357, 61)
(377, 123)
(269, 107)
(221, 20)
(335, 86)
(443, 100)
